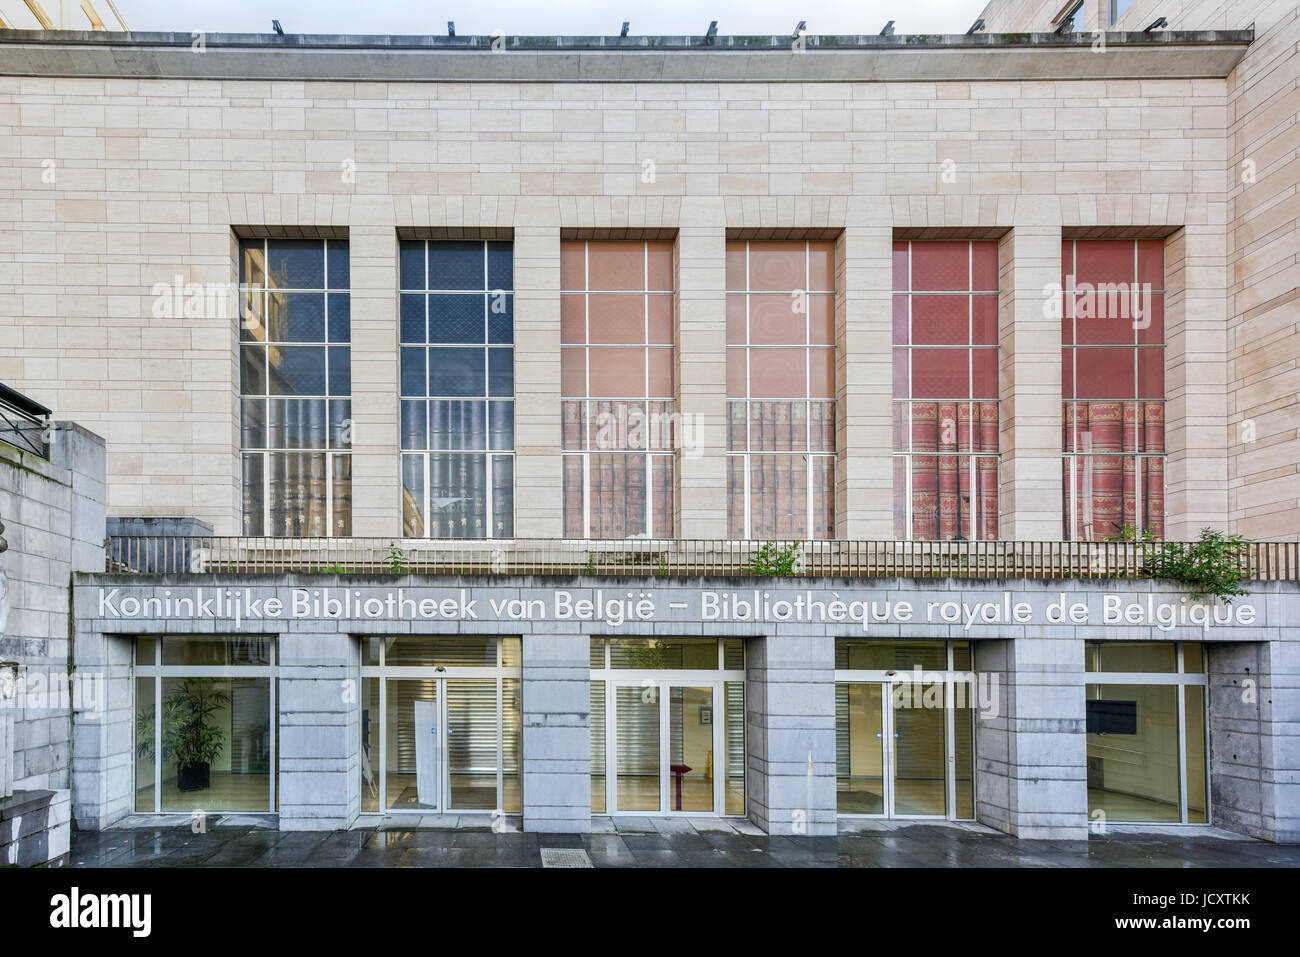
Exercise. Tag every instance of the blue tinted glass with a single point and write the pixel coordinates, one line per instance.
(501, 318)
(501, 372)
(413, 372)
(252, 423)
(411, 257)
(501, 266)
(503, 496)
(412, 317)
(252, 271)
(340, 370)
(296, 317)
(252, 370)
(456, 266)
(340, 424)
(297, 370)
(296, 424)
(501, 425)
(415, 430)
(456, 372)
(295, 264)
(338, 264)
(456, 319)
(340, 317)
(457, 425)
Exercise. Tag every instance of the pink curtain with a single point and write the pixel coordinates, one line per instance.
(954, 487)
(1114, 486)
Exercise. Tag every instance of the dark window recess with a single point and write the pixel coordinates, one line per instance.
(1112, 717)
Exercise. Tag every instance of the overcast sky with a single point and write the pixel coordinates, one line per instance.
(531, 17)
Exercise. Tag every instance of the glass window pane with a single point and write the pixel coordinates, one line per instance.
(733, 654)
(458, 488)
(252, 370)
(413, 372)
(411, 319)
(457, 265)
(146, 741)
(413, 496)
(690, 749)
(459, 651)
(338, 264)
(512, 745)
(598, 653)
(340, 423)
(455, 425)
(501, 266)
(369, 706)
(254, 497)
(503, 496)
(853, 654)
(501, 318)
(859, 748)
(295, 264)
(501, 426)
(597, 745)
(252, 263)
(1193, 658)
(457, 319)
(615, 265)
(216, 651)
(734, 769)
(636, 721)
(1133, 774)
(342, 492)
(501, 372)
(297, 370)
(681, 654)
(411, 265)
(296, 317)
(252, 423)
(297, 494)
(472, 750)
(1136, 656)
(297, 424)
(415, 424)
(455, 372)
(216, 744)
(411, 745)
(1197, 765)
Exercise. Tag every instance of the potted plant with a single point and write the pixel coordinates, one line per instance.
(188, 734)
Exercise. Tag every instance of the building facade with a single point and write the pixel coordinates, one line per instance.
(455, 391)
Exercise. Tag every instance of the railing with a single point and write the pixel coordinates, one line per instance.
(24, 424)
(154, 555)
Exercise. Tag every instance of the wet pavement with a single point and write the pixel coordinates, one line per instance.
(647, 842)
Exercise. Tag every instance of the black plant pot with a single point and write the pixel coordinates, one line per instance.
(196, 777)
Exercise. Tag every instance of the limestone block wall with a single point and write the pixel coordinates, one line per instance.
(118, 184)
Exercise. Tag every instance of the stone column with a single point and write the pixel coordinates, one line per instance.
(790, 734)
(376, 462)
(103, 735)
(1196, 377)
(1029, 380)
(702, 369)
(539, 497)
(864, 379)
(1255, 737)
(1030, 756)
(319, 739)
(556, 689)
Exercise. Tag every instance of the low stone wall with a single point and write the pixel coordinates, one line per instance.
(35, 827)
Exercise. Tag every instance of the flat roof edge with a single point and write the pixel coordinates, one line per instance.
(630, 44)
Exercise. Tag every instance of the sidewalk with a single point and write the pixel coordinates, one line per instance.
(651, 842)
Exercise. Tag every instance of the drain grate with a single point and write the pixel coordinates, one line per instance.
(564, 857)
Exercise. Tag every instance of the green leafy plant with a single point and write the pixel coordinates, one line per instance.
(772, 560)
(1130, 534)
(335, 569)
(189, 734)
(396, 559)
(1211, 565)
(591, 563)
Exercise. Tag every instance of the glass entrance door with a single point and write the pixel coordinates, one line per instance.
(664, 745)
(919, 758)
(904, 728)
